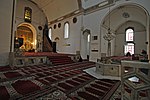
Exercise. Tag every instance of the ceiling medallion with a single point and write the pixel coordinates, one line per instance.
(126, 15)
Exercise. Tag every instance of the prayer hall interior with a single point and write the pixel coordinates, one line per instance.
(75, 50)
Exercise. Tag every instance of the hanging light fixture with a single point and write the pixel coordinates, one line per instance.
(109, 36)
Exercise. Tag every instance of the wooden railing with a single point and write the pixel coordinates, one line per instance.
(47, 47)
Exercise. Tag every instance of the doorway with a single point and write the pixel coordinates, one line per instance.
(87, 40)
(25, 37)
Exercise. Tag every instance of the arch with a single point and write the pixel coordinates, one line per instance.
(86, 43)
(86, 32)
(118, 13)
(30, 28)
(121, 16)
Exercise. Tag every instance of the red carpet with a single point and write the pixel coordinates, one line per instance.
(65, 75)
(40, 74)
(51, 79)
(5, 68)
(87, 96)
(78, 80)
(72, 82)
(70, 79)
(104, 88)
(25, 87)
(58, 77)
(65, 86)
(94, 91)
(4, 95)
(12, 74)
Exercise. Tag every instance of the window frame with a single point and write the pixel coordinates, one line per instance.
(66, 35)
(129, 43)
(129, 34)
(127, 48)
(50, 33)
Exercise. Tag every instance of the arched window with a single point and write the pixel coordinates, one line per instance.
(129, 46)
(66, 30)
(88, 37)
(50, 33)
(129, 35)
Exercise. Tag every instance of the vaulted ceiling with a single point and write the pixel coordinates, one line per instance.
(125, 15)
(56, 8)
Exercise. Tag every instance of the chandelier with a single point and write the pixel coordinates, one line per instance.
(109, 36)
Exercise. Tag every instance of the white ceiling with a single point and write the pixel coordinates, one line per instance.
(116, 19)
(54, 9)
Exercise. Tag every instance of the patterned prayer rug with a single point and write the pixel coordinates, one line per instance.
(63, 82)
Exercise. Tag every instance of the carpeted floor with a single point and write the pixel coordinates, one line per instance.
(44, 82)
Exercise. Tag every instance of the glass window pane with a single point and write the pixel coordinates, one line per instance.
(129, 35)
(88, 37)
(50, 33)
(129, 48)
(66, 30)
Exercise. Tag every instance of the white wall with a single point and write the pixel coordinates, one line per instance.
(74, 36)
(38, 17)
(6, 7)
(139, 38)
(85, 45)
(90, 21)
(93, 22)
(119, 44)
(90, 3)
(140, 42)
